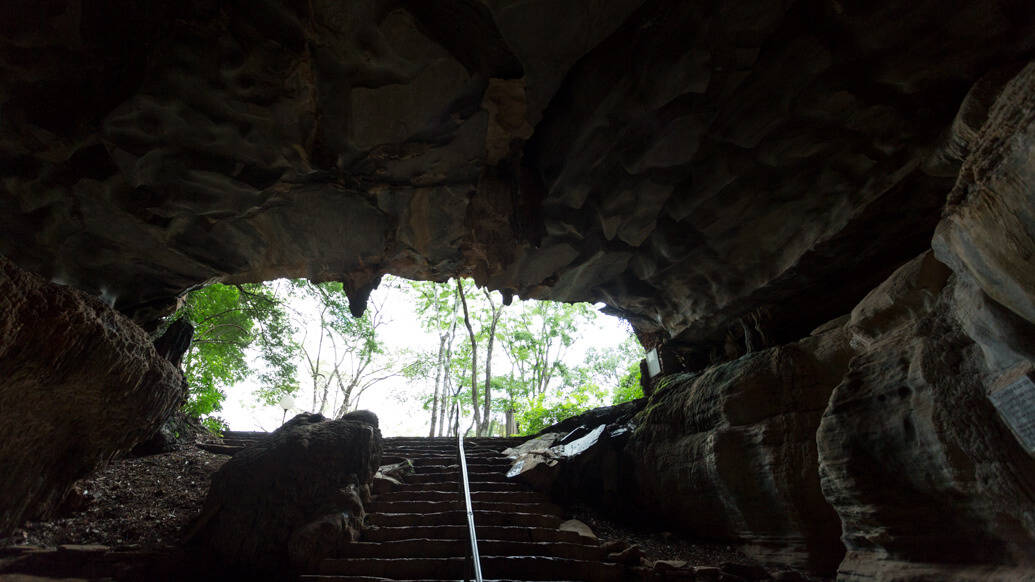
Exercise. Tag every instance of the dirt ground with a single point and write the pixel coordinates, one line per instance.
(141, 502)
(660, 545)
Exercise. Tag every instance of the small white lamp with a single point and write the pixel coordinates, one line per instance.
(287, 403)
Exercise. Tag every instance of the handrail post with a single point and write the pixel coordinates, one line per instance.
(465, 492)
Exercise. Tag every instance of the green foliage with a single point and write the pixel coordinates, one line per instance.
(255, 331)
(228, 320)
(214, 425)
(541, 386)
(539, 415)
(629, 387)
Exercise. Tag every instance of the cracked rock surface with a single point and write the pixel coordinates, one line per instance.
(704, 168)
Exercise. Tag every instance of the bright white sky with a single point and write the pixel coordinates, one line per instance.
(396, 401)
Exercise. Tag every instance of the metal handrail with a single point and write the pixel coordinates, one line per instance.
(465, 492)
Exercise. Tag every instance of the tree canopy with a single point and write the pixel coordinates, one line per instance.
(497, 367)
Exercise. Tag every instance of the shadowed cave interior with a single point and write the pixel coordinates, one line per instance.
(817, 214)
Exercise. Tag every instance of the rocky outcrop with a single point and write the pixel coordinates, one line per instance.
(730, 453)
(928, 479)
(79, 383)
(925, 478)
(292, 499)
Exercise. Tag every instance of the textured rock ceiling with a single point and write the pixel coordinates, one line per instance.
(704, 168)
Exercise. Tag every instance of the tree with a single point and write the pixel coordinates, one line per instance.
(346, 358)
(495, 312)
(537, 337)
(474, 355)
(228, 321)
(617, 366)
(436, 306)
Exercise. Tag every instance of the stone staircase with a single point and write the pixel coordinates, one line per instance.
(418, 530)
(233, 441)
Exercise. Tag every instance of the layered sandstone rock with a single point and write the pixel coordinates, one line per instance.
(79, 383)
(917, 463)
(929, 480)
(293, 499)
(730, 453)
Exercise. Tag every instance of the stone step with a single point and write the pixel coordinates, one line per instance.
(471, 469)
(459, 517)
(245, 434)
(452, 440)
(451, 453)
(422, 506)
(516, 496)
(451, 476)
(448, 548)
(441, 459)
(525, 568)
(336, 578)
(219, 449)
(445, 460)
(486, 532)
(454, 485)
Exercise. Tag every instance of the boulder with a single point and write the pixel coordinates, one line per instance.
(389, 476)
(291, 500)
(631, 555)
(362, 416)
(79, 383)
(398, 471)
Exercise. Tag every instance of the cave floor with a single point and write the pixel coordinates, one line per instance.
(141, 502)
(142, 505)
(658, 544)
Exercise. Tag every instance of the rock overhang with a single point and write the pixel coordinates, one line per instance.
(718, 173)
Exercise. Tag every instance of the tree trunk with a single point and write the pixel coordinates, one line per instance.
(447, 365)
(438, 380)
(474, 355)
(486, 410)
(511, 427)
(444, 408)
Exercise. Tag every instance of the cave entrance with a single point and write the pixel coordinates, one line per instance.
(428, 358)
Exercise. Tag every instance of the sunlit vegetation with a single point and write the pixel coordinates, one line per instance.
(492, 369)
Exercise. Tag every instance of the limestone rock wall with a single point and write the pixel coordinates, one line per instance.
(79, 382)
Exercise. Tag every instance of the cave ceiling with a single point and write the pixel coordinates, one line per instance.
(698, 166)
